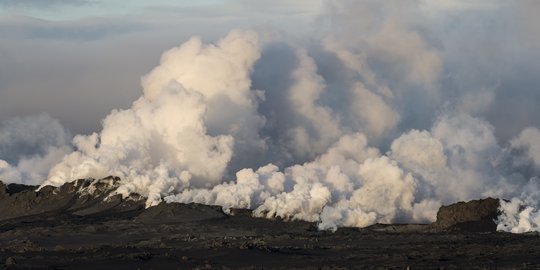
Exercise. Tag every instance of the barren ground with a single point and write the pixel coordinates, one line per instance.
(180, 236)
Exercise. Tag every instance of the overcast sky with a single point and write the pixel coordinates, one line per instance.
(78, 59)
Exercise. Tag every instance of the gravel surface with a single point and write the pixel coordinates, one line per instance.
(95, 234)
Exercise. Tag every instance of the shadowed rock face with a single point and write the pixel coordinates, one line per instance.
(81, 197)
(15, 188)
(475, 216)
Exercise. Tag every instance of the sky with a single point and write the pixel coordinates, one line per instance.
(53, 48)
(76, 9)
(340, 112)
(64, 57)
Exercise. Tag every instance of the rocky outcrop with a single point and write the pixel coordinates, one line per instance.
(90, 197)
(15, 188)
(475, 216)
(81, 198)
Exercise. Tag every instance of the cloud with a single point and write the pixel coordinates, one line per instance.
(42, 3)
(16, 27)
(29, 146)
(528, 141)
(168, 126)
(371, 112)
(30, 136)
(94, 56)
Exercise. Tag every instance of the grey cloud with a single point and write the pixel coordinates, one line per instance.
(20, 27)
(42, 3)
(79, 79)
(22, 137)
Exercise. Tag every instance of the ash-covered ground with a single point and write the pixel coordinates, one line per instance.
(81, 225)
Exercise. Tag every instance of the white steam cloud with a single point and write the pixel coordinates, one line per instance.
(347, 130)
(30, 146)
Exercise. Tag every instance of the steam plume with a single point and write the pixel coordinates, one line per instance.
(346, 130)
(30, 146)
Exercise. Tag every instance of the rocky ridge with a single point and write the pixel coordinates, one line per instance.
(91, 197)
(82, 197)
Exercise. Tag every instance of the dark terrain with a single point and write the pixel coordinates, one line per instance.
(81, 226)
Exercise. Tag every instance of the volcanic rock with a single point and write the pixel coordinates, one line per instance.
(475, 216)
(81, 198)
(86, 225)
(178, 213)
(11, 261)
(15, 188)
(91, 197)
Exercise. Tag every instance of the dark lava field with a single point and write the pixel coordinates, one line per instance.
(82, 226)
